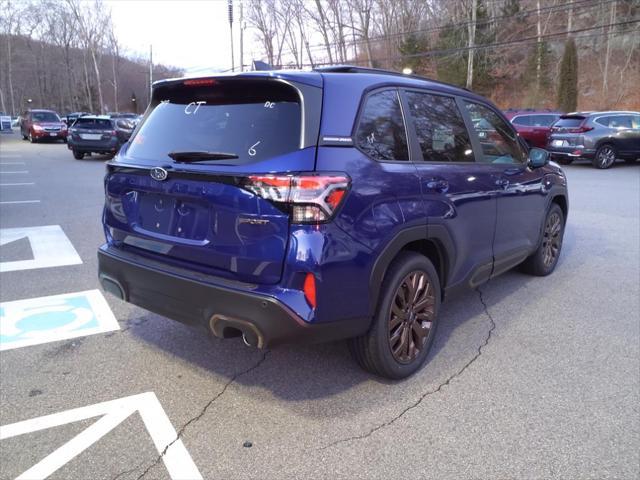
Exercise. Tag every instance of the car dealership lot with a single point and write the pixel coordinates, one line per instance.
(531, 378)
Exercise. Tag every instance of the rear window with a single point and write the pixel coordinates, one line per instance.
(253, 120)
(44, 117)
(92, 123)
(569, 122)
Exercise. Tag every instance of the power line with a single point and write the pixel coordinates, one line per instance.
(522, 14)
(527, 40)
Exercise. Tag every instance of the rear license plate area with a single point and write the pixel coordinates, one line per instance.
(90, 136)
(173, 216)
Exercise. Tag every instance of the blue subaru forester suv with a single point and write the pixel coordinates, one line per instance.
(339, 203)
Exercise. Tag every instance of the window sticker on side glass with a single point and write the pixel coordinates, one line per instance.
(443, 139)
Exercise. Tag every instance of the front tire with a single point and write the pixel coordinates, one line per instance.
(78, 155)
(31, 138)
(404, 325)
(605, 156)
(545, 258)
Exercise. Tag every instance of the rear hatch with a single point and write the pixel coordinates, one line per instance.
(567, 131)
(92, 131)
(183, 190)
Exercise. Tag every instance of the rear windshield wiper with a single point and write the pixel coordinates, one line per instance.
(186, 157)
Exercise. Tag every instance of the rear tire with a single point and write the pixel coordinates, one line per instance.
(78, 155)
(545, 258)
(605, 156)
(405, 321)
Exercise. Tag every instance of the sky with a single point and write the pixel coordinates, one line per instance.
(190, 34)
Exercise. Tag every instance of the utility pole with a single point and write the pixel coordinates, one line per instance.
(241, 38)
(150, 71)
(230, 7)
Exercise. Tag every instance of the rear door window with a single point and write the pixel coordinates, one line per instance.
(498, 140)
(254, 121)
(440, 128)
(620, 121)
(542, 120)
(381, 132)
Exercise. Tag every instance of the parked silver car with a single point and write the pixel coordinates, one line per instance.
(601, 137)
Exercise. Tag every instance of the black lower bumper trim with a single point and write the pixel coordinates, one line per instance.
(223, 310)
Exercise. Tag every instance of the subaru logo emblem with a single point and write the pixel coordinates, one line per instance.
(158, 173)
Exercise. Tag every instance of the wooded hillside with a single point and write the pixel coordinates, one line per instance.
(64, 55)
(509, 50)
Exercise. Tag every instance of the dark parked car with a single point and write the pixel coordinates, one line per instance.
(36, 125)
(534, 126)
(72, 117)
(601, 137)
(313, 206)
(124, 124)
(93, 134)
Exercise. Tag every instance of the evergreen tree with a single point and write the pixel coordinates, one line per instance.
(538, 92)
(408, 48)
(568, 80)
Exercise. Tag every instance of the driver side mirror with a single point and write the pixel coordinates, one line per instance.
(538, 157)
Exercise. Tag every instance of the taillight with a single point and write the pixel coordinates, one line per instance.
(311, 198)
(579, 129)
(199, 82)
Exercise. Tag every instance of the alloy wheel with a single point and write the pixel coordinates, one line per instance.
(411, 316)
(552, 239)
(606, 156)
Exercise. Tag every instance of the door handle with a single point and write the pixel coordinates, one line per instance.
(438, 185)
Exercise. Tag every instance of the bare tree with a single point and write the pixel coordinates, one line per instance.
(92, 20)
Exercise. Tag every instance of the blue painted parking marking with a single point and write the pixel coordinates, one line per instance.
(58, 317)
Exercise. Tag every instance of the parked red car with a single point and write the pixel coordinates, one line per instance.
(38, 125)
(534, 126)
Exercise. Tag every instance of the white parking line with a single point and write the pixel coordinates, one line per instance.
(19, 201)
(12, 163)
(174, 454)
(20, 171)
(15, 184)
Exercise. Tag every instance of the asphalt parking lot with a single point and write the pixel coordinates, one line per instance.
(529, 378)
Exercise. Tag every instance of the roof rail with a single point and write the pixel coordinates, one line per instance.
(378, 71)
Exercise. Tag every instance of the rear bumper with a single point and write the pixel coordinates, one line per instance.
(576, 151)
(84, 146)
(224, 309)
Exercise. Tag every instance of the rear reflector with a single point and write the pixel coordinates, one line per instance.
(312, 198)
(309, 289)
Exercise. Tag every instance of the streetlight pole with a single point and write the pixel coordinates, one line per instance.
(230, 7)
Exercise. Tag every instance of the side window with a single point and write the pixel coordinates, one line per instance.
(635, 121)
(545, 120)
(620, 121)
(381, 132)
(604, 121)
(440, 128)
(522, 120)
(499, 142)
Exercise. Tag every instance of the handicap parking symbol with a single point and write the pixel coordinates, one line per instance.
(58, 317)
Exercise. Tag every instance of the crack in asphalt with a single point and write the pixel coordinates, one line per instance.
(126, 472)
(202, 412)
(492, 326)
